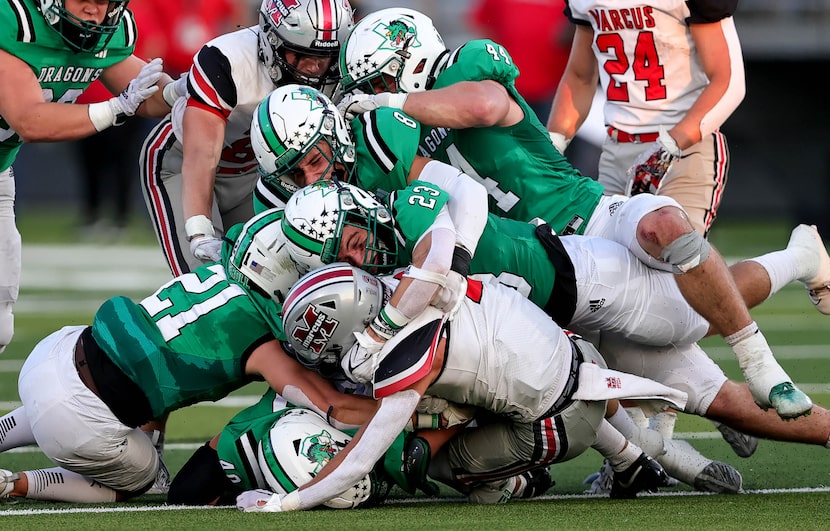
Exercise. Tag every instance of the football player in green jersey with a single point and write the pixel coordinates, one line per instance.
(397, 59)
(50, 51)
(85, 390)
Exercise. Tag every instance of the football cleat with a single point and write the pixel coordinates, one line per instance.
(534, 483)
(7, 479)
(789, 401)
(645, 474)
(600, 482)
(806, 241)
(719, 478)
(744, 445)
(162, 483)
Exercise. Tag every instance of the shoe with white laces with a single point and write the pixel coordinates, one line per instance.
(719, 478)
(600, 482)
(742, 444)
(7, 479)
(806, 240)
(162, 483)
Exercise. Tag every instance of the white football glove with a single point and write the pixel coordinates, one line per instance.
(652, 165)
(259, 501)
(206, 248)
(361, 360)
(559, 141)
(203, 241)
(448, 299)
(456, 414)
(431, 404)
(175, 90)
(139, 89)
(357, 103)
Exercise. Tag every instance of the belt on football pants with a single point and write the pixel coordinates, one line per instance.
(638, 138)
(565, 399)
(83, 367)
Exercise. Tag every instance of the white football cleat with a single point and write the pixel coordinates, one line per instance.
(744, 445)
(807, 238)
(7, 479)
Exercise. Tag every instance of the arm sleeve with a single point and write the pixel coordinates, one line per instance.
(467, 205)
(375, 438)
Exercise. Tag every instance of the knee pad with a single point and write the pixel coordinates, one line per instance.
(686, 252)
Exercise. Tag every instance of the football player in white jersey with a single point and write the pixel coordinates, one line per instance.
(672, 73)
(473, 92)
(518, 365)
(197, 169)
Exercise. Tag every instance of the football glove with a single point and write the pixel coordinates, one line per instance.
(206, 248)
(361, 360)
(259, 501)
(448, 299)
(357, 103)
(203, 241)
(139, 89)
(652, 165)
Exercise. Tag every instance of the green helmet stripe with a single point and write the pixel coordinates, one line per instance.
(267, 129)
(301, 240)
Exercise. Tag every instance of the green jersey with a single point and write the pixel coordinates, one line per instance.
(239, 445)
(188, 341)
(525, 176)
(62, 73)
(508, 250)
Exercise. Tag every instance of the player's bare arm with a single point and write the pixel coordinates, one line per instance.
(574, 95)
(305, 388)
(720, 56)
(23, 106)
(206, 132)
(466, 104)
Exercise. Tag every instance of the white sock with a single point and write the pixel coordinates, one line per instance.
(59, 484)
(663, 423)
(15, 430)
(761, 370)
(782, 268)
(682, 461)
(614, 447)
(637, 416)
(623, 422)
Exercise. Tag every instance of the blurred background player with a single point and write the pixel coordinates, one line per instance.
(198, 172)
(672, 72)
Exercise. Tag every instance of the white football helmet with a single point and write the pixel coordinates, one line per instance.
(79, 34)
(299, 444)
(287, 126)
(260, 258)
(325, 307)
(401, 43)
(308, 27)
(316, 216)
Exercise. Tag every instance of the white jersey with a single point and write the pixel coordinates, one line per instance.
(648, 65)
(504, 355)
(228, 79)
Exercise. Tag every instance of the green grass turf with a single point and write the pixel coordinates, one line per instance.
(798, 335)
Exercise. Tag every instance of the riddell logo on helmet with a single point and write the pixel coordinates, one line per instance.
(325, 44)
(276, 9)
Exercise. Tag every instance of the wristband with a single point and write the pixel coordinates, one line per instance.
(101, 115)
(198, 225)
(397, 100)
(169, 93)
